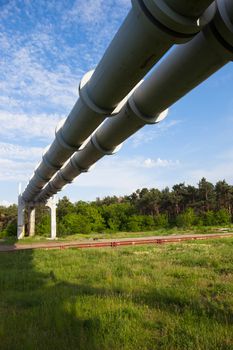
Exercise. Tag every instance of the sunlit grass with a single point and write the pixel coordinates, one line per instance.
(173, 297)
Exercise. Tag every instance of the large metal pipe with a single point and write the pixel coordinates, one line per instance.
(148, 31)
(188, 8)
(186, 67)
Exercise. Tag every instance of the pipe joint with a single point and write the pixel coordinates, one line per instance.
(145, 118)
(61, 140)
(101, 149)
(86, 99)
(176, 24)
(48, 163)
(77, 166)
(62, 177)
(38, 174)
(38, 179)
(223, 23)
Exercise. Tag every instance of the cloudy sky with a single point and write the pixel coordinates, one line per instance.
(46, 47)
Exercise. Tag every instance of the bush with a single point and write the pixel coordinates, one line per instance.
(135, 223)
(222, 217)
(209, 218)
(161, 221)
(148, 223)
(43, 226)
(186, 219)
(75, 223)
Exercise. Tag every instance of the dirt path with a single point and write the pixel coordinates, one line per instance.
(111, 242)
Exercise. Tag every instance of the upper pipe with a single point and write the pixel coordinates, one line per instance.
(189, 8)
(148, 31)
(186, 67)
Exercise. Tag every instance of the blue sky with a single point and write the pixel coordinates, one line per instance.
(46, 47)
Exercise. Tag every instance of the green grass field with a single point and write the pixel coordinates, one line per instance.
(175, 296)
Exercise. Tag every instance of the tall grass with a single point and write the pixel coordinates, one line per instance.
(173, 297)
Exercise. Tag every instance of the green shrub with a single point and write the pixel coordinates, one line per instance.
(43, 226)
(222, 217)
(186, 219)
(161, 221)
(75, 223)
(135, 223)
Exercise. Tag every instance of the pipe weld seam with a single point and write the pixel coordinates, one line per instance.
(38, 177)
(100, 148)
(48, 163)
(63, 177)
(144, 117)
(220, 38)
(51, 187)
(31, 189)
(222, 27)
(86, 99)
(76, 166)
(34, 183)
(38, 174)
(54, 187)
(60, 139)
(169, 21)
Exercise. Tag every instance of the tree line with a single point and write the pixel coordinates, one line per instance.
(143, 210)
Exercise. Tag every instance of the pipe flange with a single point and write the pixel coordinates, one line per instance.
(39, 178)
(86, 99)
(223, 22)
(76, 166)
(146, 118)
(28, 195)
(38, 174)
(101, 149)
(61, 141)
(49, 189)
(83, 93)
(34, 183)
(176, 23)
(63, 178)
(48, 163)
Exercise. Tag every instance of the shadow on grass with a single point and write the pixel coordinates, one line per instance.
(33, 310)
(39, 311)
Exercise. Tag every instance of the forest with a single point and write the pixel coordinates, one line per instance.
(144, 210)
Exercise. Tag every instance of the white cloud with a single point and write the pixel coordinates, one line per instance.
(125, 175)
(23, 126)
(145, 136)
(5, 203)
(11, 151)
(11, 170)
(163, 163)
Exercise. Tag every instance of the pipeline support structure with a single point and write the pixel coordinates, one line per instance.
(114, 102)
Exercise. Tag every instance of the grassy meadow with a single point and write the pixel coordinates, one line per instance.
(173, 297)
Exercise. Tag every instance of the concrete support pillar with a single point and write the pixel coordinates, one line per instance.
(31, 221)
(52, 204)
(21, 220)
